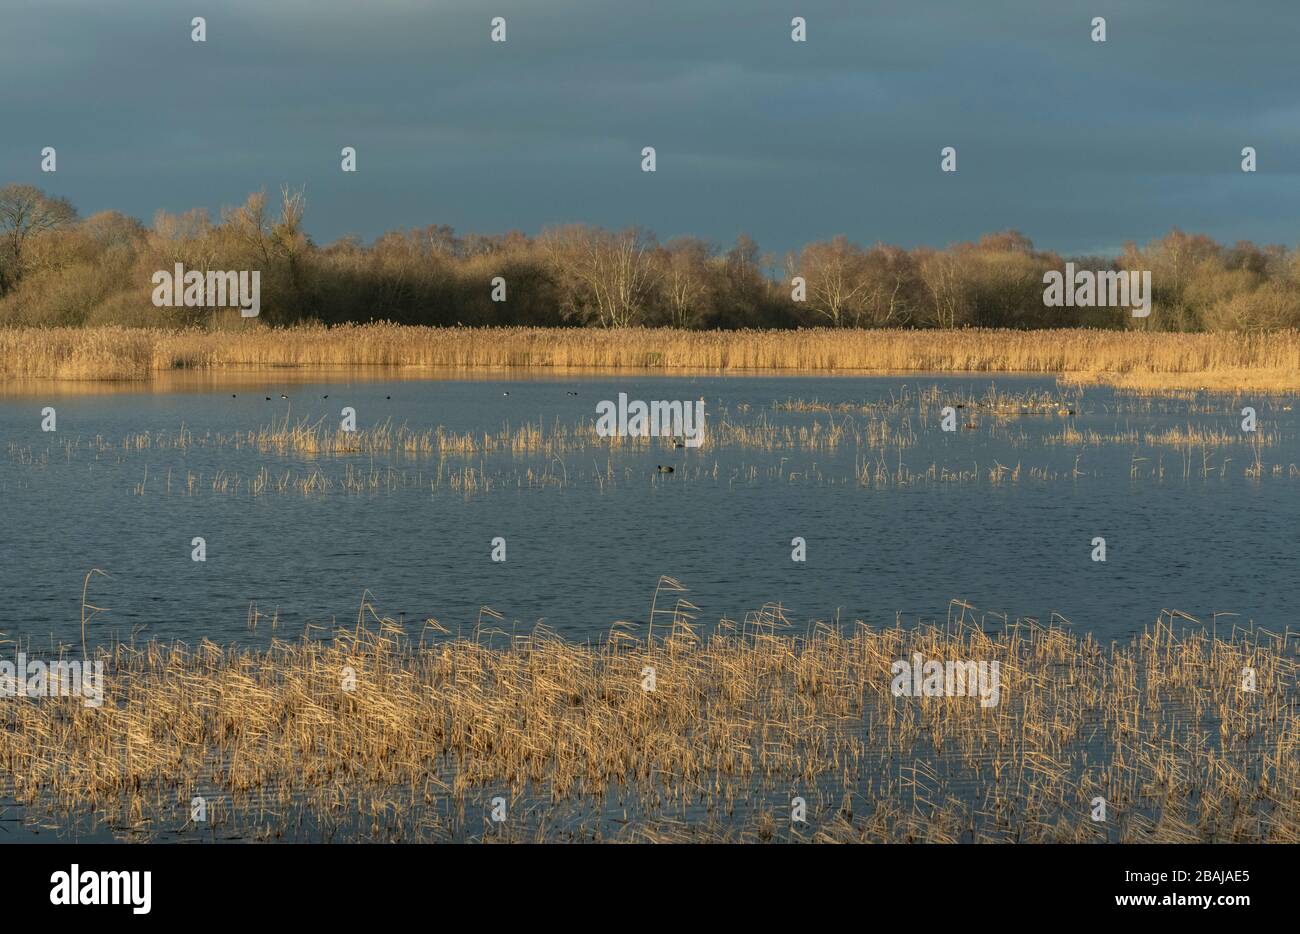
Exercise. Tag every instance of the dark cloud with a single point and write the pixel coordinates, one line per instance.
(1078, 144)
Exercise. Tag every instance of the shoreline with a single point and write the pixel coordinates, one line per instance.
(1132, 360)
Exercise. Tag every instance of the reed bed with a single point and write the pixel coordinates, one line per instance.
(932, 398)
(1181, 436)
(378, 732)
(322, 438)
(1150, 361)
(310, 459)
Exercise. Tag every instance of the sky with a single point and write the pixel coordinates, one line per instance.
(1080, 145)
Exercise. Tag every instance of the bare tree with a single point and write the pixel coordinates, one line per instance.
(685, 275)
(26, 212)
(113, 230)
(892, 272)
(631, 274)
(250, 226)
(835, 274)
(941, 275)
(290, 243)
(608, 277)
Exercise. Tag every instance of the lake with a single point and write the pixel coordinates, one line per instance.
(899, 517)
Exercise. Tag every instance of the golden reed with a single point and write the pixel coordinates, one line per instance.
(1140, 360)
(1189, 732)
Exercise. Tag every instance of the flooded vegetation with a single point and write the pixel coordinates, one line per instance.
(386, 732)
(501, 655)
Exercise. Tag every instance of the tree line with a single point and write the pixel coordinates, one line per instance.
(57, 268)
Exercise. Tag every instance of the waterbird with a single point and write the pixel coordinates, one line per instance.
(388, 397)
(662, 469)
(283, 396)
(268, 398)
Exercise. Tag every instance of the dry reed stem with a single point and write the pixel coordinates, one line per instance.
(740, 721)
(1147, 360)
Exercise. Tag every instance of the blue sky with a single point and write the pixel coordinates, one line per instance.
(1079, 145)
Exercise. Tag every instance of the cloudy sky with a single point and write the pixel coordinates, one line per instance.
(1079, 145)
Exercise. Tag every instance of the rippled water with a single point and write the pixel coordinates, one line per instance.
(590, 532)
